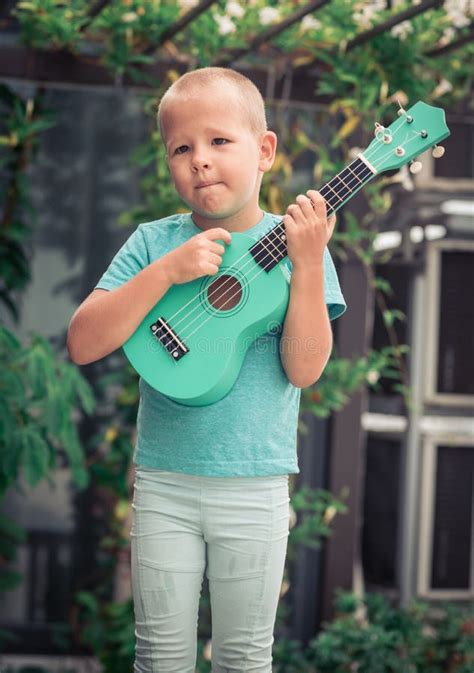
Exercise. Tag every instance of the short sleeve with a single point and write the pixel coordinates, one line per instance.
(332, 291)
(130, 259)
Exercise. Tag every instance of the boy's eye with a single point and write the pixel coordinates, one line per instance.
(181, 149)
(219, 141)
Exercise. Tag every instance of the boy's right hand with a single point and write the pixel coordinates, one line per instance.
(200, 256)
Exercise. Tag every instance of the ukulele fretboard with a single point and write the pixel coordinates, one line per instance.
(271, 249)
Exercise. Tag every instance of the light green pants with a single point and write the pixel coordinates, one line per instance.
(235, 528)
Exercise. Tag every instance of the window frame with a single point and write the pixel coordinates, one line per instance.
(433, 277)
(430, 447)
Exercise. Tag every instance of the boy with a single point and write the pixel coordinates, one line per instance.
(218, 147)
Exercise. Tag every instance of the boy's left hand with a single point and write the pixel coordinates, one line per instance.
(308, 230)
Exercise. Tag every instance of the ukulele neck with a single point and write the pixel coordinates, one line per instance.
(271, 249)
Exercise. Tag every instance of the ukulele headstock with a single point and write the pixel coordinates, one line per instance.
(416, 130)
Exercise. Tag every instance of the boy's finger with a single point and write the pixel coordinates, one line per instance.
(218, 232)
(319, 203)
(305, 204)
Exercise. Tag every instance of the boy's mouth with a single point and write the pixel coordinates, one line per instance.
(201, 185)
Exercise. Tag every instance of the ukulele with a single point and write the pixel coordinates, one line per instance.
(191, 345)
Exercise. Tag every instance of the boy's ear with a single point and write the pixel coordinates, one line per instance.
(268, 145)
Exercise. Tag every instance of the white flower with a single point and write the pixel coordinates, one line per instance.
(129, 17)
(234, 9)
(458, 11)
(401, 30)
(310, 23)
(379, 5)
(443, 87)
(354, 152)
(187, 4)
(268, 15)
(406, 179)
(225, 24)
(373, 376)
(459, 20)
(366, 11)
(447, 36)
(363, 19)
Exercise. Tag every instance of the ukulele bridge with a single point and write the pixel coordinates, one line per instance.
(169, 339)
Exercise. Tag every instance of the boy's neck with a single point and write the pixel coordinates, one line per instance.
(239, 222)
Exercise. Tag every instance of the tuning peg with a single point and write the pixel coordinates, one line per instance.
(438, 151)
(378, 128)
(401, 111)
(415, 167)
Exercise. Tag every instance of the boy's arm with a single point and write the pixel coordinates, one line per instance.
(306, 340)
(106, 319)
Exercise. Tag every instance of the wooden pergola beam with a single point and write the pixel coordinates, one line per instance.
(271, 32)
(61, 69)
(97, 7)
(368, 35)
(451, 46)
(393, 21)
(180, 25)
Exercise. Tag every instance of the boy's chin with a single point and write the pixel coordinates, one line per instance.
(213, 215)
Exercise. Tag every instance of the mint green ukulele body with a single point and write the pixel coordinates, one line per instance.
(223, 315)
(191, 345)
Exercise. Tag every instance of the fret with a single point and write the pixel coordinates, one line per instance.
(269, 258)
(339, 177)
(266, 241)
(350, 178)
(278, 244)
(341, 188)
(328, 186)
(361, 169)
(355, 175)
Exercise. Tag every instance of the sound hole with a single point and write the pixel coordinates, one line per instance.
(224, 292)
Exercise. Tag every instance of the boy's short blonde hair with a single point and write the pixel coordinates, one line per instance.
(200, 82)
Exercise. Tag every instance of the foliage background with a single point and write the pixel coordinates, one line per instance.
(44, 397)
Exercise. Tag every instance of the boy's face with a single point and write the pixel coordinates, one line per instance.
(215, 159)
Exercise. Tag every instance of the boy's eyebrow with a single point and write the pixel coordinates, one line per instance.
(212, 130)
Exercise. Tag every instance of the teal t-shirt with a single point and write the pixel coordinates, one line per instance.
(252, 431)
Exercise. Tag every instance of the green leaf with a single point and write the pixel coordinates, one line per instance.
(8, 340)
(11, 455)
(83, 390)
(35, 455)
(88, 600)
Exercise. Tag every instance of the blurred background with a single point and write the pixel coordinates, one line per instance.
(380, 567)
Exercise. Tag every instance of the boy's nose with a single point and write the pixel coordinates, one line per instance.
(200, 160)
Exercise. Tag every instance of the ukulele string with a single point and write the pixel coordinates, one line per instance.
(202, 292)
(184, 337)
